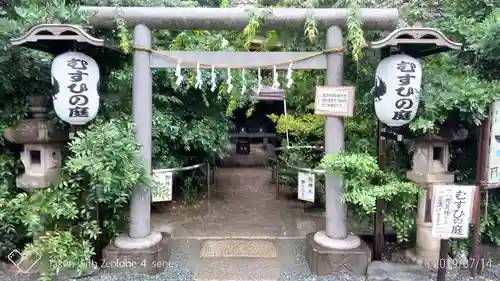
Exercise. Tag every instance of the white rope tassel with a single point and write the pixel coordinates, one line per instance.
(286, 124)
(214, 85)
(178, 74)
(229, 78)
(276, 83)
(243, 82)
(199, 81)
(259, 81)
(289, 76)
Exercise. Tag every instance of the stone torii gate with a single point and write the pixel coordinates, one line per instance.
(329, 250)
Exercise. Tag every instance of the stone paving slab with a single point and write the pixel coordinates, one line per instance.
(248, 269)
(239, 248)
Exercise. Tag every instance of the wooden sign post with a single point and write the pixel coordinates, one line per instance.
(493, 163)
(334, 101)
(452, 210)
(487, 171)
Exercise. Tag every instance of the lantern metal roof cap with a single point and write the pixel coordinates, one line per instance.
(417, 41)
(58, 38)
(56, 31)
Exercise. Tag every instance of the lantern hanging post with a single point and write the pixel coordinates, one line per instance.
(379, 227)
(409, 46)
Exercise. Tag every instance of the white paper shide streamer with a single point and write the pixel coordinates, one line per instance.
(229, 86)
(243, 82)
(259, 82)
(289, 76)
(276, 83)
(214, 85)
(178, 74)
(229, 81)
(199, 81)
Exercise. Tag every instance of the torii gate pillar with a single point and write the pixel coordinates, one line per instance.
(335, 249)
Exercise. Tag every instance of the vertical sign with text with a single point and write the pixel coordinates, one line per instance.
(162, 189)
(493, 169)
(452, 207)
(306, 186)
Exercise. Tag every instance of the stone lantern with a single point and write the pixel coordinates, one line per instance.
(430, 161)
(430, 167)
(42, 142)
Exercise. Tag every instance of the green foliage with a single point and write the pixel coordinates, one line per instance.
(11, 228)
(453, 90)
(490, 220)
(190, 187)
(461, 87)
(107, 151)
(300, 156)
(364, 183)
(299, 126)
(101, 169)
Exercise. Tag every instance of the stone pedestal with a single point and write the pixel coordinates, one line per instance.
(426, 250)
(326, 261)
(427, 246)
(151, 260)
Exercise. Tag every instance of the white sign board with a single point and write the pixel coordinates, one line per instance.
(75, 79)
(334, 101)
(397, 89)
(494, 153)
(306, 186)
(452, 209)
(162, 190)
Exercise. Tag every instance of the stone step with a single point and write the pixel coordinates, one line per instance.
(238, 259)
(238, 269)
(239, 248)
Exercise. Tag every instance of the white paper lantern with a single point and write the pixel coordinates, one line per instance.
(75, 78)
(397, 89)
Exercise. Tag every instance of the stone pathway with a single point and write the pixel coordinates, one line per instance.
(243, 205)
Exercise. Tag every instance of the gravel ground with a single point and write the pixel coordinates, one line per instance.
(295, 269)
